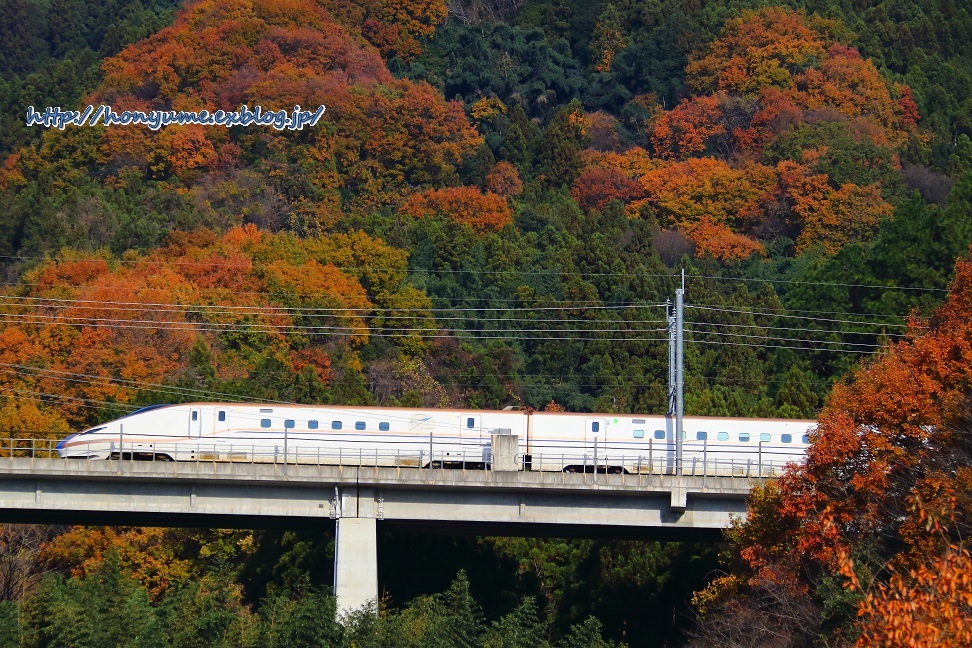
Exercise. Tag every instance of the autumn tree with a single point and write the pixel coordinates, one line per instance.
(596, 187)
(609, 38)
(879, 506)
(482, 212)
(686, 129)
(504, 180)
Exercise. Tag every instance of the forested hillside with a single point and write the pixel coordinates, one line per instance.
(493, 210)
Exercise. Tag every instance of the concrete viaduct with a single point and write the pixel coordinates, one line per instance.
(357, 499)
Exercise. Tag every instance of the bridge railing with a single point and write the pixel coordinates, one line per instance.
(28, 448)
(764, 461)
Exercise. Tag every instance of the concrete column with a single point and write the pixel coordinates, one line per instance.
(355, 563)
(679, 495)
(504, 452)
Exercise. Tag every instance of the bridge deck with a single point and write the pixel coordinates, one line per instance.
(69, 490)
(355, 500)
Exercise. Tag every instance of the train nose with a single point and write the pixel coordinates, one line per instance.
(61, 444)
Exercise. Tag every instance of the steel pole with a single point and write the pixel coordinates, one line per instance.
(679, 373)
(670, 314)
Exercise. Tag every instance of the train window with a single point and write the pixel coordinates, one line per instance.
(195, 415)
(471, 423)
(639, 434)
(659, 434)
(701, 436)
(264, 423)
(744, 437)
(335, 425)
(764, 437)
(222, 415)
(786, 438)
(383, 426)
(266, 411)
(595, 426)
(806, 438)
(723, 436)
(289, 424)
(312, 425)
(638, 421)
(359, 425)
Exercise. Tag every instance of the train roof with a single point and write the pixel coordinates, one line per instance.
(375, 408)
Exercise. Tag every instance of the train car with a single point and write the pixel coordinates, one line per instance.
(441, 438)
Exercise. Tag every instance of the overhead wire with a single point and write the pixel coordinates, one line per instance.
(480, 271)
(790, 328)
(784, 339)
(26, 370)
(779, 346)
(789, 316)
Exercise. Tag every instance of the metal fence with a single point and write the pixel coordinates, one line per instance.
(761, 462)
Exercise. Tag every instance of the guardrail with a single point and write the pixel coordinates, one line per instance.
(761, 463)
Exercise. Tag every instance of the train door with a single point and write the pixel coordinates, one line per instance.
(422, 429)
(222, 422)
(595, 441)
(195, 422)
(668, 445)
(471, 437)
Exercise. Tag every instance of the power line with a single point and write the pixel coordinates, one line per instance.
(790, 328)
(172, 390)
(783, 315)
(478, 271)
(779, 346)
(266, 327)
(347, 331)
(784, 339)
(104, 304)
(817, 283)
(66, 399)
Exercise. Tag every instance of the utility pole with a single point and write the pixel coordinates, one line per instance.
(679, 372)
(670, 315)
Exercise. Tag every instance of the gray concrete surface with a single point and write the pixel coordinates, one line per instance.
(359, 499)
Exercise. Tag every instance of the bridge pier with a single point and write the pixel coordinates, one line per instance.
(355, 563)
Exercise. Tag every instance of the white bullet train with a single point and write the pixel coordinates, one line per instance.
(442, 438)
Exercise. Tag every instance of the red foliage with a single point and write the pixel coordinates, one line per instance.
(482, 212)
(595, 188)
(884, 459)
(685, 129)
(378, 137)
(721, 242)
(131, 326)
(504, 180)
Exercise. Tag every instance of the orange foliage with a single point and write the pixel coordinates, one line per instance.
(393, 26)
(794, 68)
(853, 87)
(762, 48)
(504, 180)
(379, 137)
(483, 212)
(926, 607)
(685, 129)
(129, 327)
(633, 163)
(595, 188)
(146, 552)
(685, 192)
(884, 459)
(316, 359)
(721, 242)
(830, 217)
